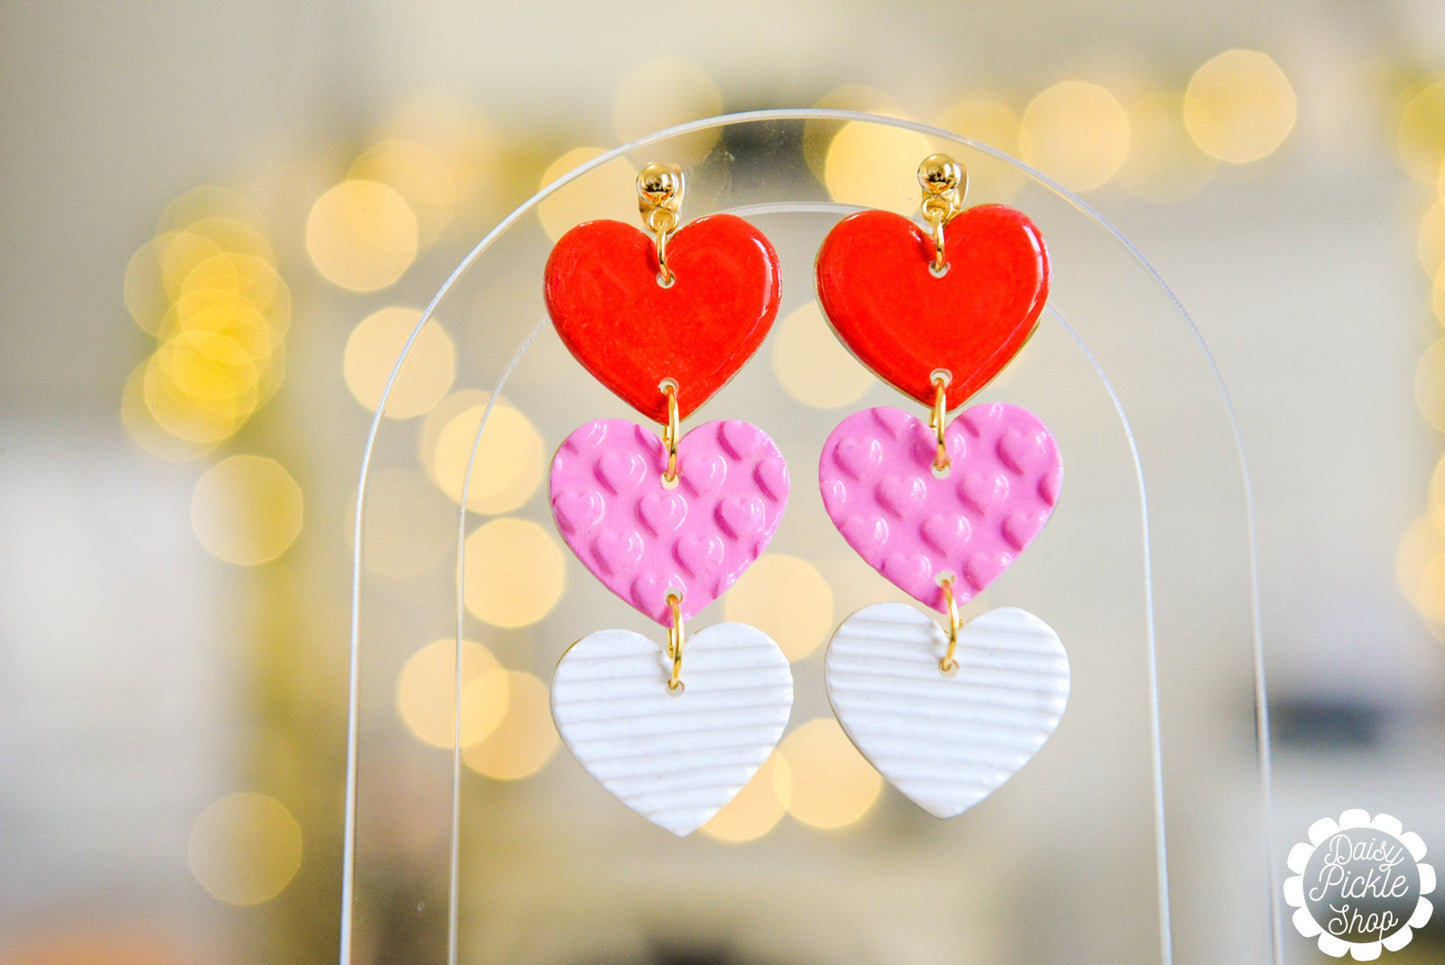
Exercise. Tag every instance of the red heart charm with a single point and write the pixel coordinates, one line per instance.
(631, 333)
(903, 322)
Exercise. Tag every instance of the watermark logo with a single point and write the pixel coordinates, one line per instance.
(1359, 885)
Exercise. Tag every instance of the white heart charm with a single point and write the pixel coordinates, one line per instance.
(674, 759)
(946, 741)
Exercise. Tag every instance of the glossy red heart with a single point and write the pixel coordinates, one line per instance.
(903, 322)
(630, 332)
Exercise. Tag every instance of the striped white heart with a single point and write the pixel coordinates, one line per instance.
(947, 742)
(674, 759)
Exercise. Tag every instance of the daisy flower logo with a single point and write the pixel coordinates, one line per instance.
(1359, 885)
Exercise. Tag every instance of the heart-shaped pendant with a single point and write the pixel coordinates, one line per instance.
(676, 759)
(643, 539)
(904, 323)
(879, 488)
(631, 332)
(946, 741)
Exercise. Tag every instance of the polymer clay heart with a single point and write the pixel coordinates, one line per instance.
(946, 741)
(876, 474)
(631, 333)
(642, 539)
(674, 758)
(904, 323)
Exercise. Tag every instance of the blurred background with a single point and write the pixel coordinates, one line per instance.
(218, 224)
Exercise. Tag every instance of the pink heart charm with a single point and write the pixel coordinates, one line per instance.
(876, 474)
(642, 539)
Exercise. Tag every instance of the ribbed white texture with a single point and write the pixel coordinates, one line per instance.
(676, 760)
(947, 742)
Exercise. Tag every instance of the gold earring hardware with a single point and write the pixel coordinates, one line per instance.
(671, 433)
(944, 182)
(675, 635)
(937, 418)
(659, 201)
(949, 664)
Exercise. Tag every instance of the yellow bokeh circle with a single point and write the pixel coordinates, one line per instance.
(510, 460)
(361, 235)
(1076, 132)
(245, 848)
(988, 120)
(786, 598)
(818, 134)
(417, 173)
(515, 573)
(812, 365)
(1239, 106)
(606, 192)
(662, 94)
(758, 807)
(373, 349)
(1430, 385)
(246, 510)
(832, 785)
(875, 166)
(524, 740)
(426, 697)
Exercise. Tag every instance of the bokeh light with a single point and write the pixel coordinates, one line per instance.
(1437, 495)
(1239, 106)
(210, 201)
(758, 807)
(1420, 568)
(875, 167)
(1430, 385)
(217, 394)
(426, 698)
(525, 739)
(245, 848)
(1076, 132)
(510, 459)
(786, 598)
(246, 510)
(811, 363)
(409, 525)
(1430, 240)
(607, 192)
(988, 120)
(147, 433)
(515, 573)
(1164, 164)
(1420, 135)
(662, 94)
(417, 173)
(817, 135)
(466, 142)
(361, 235)
(207, 288)
(832, 785)
(373, 348)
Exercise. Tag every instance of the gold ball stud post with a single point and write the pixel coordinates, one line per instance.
(940, 174)
(659, 186)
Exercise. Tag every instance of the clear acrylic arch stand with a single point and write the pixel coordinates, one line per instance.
(1140, 832)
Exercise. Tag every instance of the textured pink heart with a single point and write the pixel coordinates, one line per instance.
(643, 539)
(912, 526)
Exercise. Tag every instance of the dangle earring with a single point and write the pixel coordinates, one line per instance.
(664, 319)
(940, 509)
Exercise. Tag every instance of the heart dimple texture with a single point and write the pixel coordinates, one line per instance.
(642, 539)
(946, 742)
(876, 475)
(675, 759)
